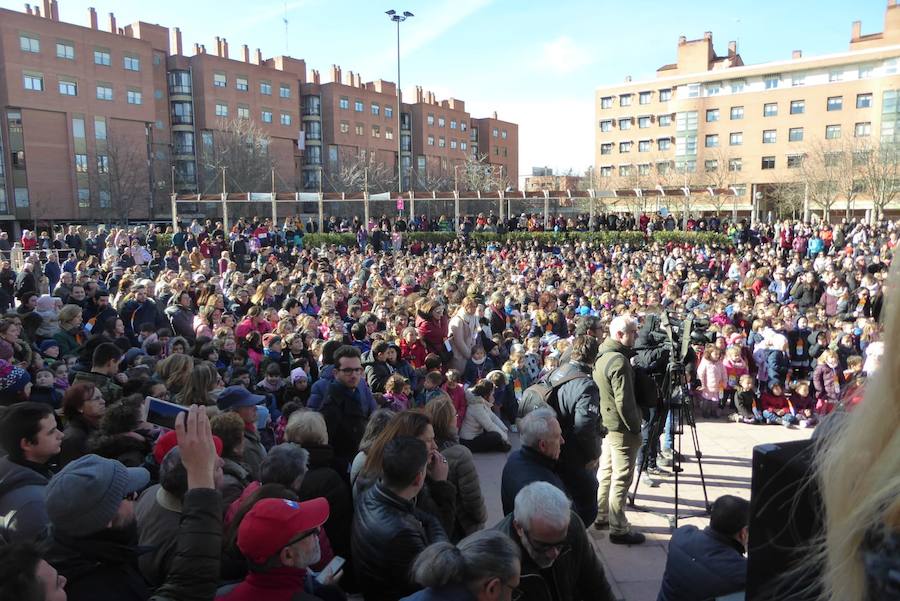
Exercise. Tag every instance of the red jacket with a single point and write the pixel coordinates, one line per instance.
(279, 584)
(458, 396)
(769, 401)
(414, 353)
(433, 332)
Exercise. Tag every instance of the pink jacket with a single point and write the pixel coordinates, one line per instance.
(713, 378)
(734, 370)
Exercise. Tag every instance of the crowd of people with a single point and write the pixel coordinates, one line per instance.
(337, 396)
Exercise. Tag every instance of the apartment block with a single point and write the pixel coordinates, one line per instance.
(102, 121)
(711, 120)
(498, 142)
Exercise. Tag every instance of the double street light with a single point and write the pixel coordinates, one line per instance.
(398, 18)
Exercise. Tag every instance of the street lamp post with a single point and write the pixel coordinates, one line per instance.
(399, 18)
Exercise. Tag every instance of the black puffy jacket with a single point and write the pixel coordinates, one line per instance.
(388, 534)
(702, 564)
(579, 415)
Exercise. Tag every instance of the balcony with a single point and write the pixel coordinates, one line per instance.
(312, 161)
(313, 135)
(180, 90)
(182, 120)
(312, 111)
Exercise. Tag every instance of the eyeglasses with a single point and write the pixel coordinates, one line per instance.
(545, 548)
(305, 535)
(350, 370)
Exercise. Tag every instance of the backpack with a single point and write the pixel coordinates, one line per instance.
(544, 394)
(346, 423)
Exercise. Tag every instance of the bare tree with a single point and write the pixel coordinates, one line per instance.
(829, 170)
(788, 194)
(362, 171)
(878, 168)
(478, 174)
(241, 147)
(120, 180)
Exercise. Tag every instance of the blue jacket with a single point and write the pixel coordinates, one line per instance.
(320, 388)
(702, 564)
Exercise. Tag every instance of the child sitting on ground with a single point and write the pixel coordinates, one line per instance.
(412, 349)
(457, 393)
(432, 385)
(803, 405)
(43, 390)
(477, 367)
(735, 368)
(397, 393)
(775, 406)
(746, 402)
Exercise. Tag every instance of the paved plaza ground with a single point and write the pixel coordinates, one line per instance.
(635, 572)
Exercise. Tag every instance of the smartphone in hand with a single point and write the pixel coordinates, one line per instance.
(334, 567)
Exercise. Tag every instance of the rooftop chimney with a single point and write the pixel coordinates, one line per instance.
(28, 9)
(245, 52)
(797, 54)
(316, 78)
(175, 41)
(93, 14)
(202, 48)
(358, 82)
(37, 11)
(857, 30)
(112, 22)
(419, 96)
(350, 78)
(707, 35)
(682, 40)
(494, 115)
(196, 48)
(259, 59)
(46, 9)
(54, 10)
(732, 48)
(336, 74)
(628, 79)
(218, 46)
(224, 48)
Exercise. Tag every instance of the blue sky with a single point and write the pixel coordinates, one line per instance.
(535, 62)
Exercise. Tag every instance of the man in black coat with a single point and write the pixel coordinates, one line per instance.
(709, 563)
(389, 531)
(535, 461)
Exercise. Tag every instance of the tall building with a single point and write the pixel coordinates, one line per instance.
(710, 120)
(100, 122)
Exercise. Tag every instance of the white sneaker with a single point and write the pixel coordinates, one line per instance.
(648, 480)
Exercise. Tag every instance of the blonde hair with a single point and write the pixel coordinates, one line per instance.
(859, 472)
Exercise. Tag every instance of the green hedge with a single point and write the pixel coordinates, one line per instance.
(606, 238)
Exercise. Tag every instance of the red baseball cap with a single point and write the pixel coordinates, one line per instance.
(271, 524)
(169, 441)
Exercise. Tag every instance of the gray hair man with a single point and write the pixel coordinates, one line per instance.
(622, 417)
(556, 553)
(536, 461)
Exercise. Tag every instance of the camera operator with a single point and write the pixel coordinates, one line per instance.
(652, 349)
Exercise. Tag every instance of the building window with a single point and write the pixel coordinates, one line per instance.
(463, 145)
(135, 97)
(768, 162)
(664, 143)
(624, 147)
(737, 112)
(643, 146)
(865, 71)
(606, 102)
(644, 97)
(606, 125)
(794, 161)
(33, 82)
(769, 136)
(643, 122)
(430, 140)
(862, 130)
(389, 111)
(606, 148)
(452, 123)
(606, 171)
(284, 91)
(241, 84)
(798, 79)
(770, 109)
(100, 128)
(711, 165)
(503, 134)
(713, 89)
(243, 112)
(624, 170)
(219, 80)
(81, 163)
(712, 141)
(285, 119)
(625, 100)
(360, 129)
(665, 95)
(712, 115)
(737, 86)
(686, 121)
(798, 107)
(835, 103)
(430, 119)
(462, 126)
(344, 103)
(832, 132)
(103, 195)
(102, 57)
(664, 120)
(735, 164)
(84, 197)
(442, 143)
(221, 110)
(644, 169)
(68, 88)
(65, 50)
(625, 123)
(131, 62)
(102, 164)
(345, 127)
(376, 109)
(863, 101)
(389, 133)
(693, 90)
(266, 116)
(104, 92)
(795, 134)
(265, 88)
(29, 43)
(441, 122)
(835, 75)
(495, 132)
(453, 144)
(736, 138)
(772, 81)
(376, 131)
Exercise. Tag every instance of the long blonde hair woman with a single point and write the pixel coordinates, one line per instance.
(859, 474)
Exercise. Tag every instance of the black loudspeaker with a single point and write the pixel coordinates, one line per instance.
(785, 514)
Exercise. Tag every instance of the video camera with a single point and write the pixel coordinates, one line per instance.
(683, 330)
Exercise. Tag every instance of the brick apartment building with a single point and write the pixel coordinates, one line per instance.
(711, 120)
(97, 121)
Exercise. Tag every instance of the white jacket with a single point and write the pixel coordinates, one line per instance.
(479, 419)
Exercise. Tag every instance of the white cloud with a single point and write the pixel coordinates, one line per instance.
(563, 56)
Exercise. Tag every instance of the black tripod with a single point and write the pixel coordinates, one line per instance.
(675, 394)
